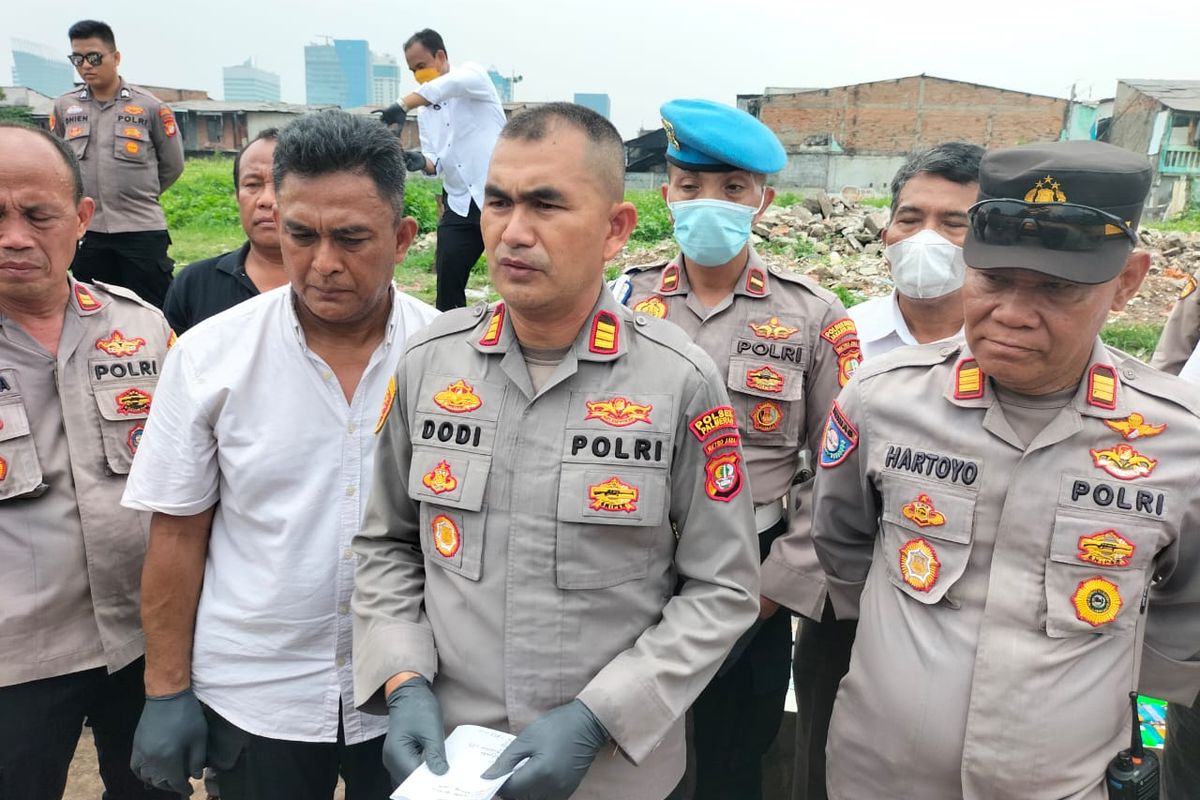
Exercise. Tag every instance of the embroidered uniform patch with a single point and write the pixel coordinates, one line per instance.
(3, 468)
(132, 109)
(766, 416)
(652, 306)
(133, 133)
(1135, 427)
(670, 279)
(86, 300)
(839, 329)
(168, 121)
(764, 379)
(440, 479)
(715, 419)
(1105, 549)
(720, 442)
(922, 512)
(613, 495)
(843, 336)
(968, 380)
(619, 412)
(604, 334)
(1123, 462)
(171, 339)
(133, 401)
(458, 398)
(756, 282)
(772, 329)
(446, 536)
(1097, 601)
(1102, 387)
(919, 564)
(118, 345)
(723, 477)
(492, 335)
(134, 438)
(133, 148)
(389, 397)
(1189, 286)
(840, 438)
(74, 131)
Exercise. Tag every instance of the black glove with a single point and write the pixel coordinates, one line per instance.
(560, 746)
(414, 160)
(415, 731)
(393, 115)
(170, 742)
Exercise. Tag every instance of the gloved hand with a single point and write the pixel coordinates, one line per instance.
(170, 742)
(415, 731)
(393, 114)
(414, 160)
(560, 746)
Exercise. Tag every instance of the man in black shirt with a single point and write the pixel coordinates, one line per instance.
(209, 287)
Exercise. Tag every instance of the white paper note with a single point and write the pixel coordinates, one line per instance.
(470, 750)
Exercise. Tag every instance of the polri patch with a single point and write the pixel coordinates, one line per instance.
(772, 329)
(613, 495)
(715, 419)
(652, 306)
(458, 398)
(440, 479)
(168, 121)
(1123, 462)
(723, 477)
(764, 379)
(1105, 549)
(447, 538)
(1097, 601)
(619, 412)
(842, 335)
(117, 345)
(919, 564)
(133, 402)
(729, 440)
(922, 512)
(1135, 427)
(766, 416)
(840, 438)
(389, 397)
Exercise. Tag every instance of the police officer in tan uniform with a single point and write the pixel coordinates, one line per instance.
(130, 150)
(783, 346)
(560, 537)
(1181, 334)
(1011, 518)
(78, 368)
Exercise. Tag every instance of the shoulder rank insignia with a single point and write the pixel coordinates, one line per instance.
(764, 379)
(86, 300)
(440, 479)
(1135, 427)
(1102, 387)
(613, 495)
(1189, 286)
(117, 345)
(619, 412)
(840, 438)
(723, 477)
(496, 324)
(1122, 461)
(968, 380)
(1105, 549)
(135, 438)
(133, 401)
(171, 339)
(766, 416)
(771, 329)
(919, 564)
(389, 397)
(458, 398)
(1097, 601)
(670, 279)
(715, 419)
(3, 468)
(446, 536)
(922, 512)
(756, 282)
(652, 306)
(603, 338)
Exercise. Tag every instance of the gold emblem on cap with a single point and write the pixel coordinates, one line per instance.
(671, 137)
(1046, 190)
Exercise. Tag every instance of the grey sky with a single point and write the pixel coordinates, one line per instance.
(644, 52)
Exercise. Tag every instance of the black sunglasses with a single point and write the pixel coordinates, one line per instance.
(92, 58)
(1058, 226)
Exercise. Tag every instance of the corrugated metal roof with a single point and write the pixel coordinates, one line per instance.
(1179, 95)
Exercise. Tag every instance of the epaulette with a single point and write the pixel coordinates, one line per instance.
(790, 276)
(122, 292)
(671, 336)
(922, 355)
(1138, 376)
(448, 323)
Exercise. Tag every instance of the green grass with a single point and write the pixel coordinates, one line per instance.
(1188, 222)
(786, 199)
(876, 202)
(1137, 340)
(654, 220)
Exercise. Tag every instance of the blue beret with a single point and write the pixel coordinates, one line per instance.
(704, 135)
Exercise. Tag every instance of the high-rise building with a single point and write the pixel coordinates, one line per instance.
(338, 73)
(504, 85)
(41, 68)
(596, 102)
(385, 79)
(248, 82)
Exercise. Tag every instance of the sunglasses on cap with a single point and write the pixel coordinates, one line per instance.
(92, 58)
(1058, 226)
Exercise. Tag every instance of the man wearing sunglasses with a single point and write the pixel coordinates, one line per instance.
(130, 150)
(1012, 518)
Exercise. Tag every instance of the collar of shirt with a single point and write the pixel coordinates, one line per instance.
(234, 265)
(754, 280)
(293, 321)
(881, 318)
(123, 93)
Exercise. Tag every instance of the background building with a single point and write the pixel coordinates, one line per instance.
(41, 68)
(504, 85)
(338, 73)
(596, 102)
(1161, 119)
(248, 82)
(385, 79)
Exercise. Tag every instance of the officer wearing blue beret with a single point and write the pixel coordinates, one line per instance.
(785, 347)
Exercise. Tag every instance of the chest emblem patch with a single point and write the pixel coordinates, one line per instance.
(389, 397)
(135, 438)
(1123, 462)
(766, 416)
(446, 537)
(133, 401)
(1105, 549)
(919, 564)
(3, 468)
(652, 306)
(619, 412)
(1135, 427)
(764, 379)
(440, 479)
(922, 512)
(613, 495)
(1097, 601)
(458, 398)
(117, 345)
(771, 329)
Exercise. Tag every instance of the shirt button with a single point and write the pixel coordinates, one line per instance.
(326, 374)
(639, 320)
(349, 491)
(351, 428)
(343, 609)
(1130, 373)
(347, 554)
(341, 661)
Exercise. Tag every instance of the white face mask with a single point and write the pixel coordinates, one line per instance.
(926, 265)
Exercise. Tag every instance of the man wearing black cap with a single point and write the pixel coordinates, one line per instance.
(1006, 517)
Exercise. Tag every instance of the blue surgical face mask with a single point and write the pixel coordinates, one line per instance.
(711, 232)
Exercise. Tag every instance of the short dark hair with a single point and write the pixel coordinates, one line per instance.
(93, 29)
(608, 149)
(954, 161)
(334, 141)
(429, 38)
(268, 134)
(63, 149)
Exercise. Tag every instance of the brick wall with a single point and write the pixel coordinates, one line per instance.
(900, 116)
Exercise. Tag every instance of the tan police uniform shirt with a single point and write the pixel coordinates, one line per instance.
(592, 540)
(1181, 334)
(70, 555)
(999, 587)
(130, 151)
(783, 347)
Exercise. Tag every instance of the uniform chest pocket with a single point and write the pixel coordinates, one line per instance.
(768, 398)
(20, 470)
(926, 536)
(131, 142)
(77, 134)
(1097, 571)
(123, 406)
(450, 486)
(608, 518)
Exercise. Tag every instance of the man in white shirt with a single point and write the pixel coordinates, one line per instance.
(923, 248)
(459, 117)
(255, 464)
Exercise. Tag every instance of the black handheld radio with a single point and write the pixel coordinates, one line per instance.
(1133, 773)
